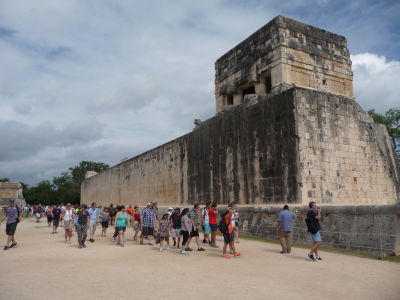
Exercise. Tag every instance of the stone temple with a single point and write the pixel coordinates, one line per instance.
(287, 129)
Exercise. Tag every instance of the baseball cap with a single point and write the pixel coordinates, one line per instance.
(149, 204)
(170, 208)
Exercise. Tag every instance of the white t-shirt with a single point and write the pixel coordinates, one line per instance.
(68, 215)
(206, 217)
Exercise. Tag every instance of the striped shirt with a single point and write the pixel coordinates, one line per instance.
(195, 217)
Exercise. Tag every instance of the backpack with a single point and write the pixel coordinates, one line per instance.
(223, 227)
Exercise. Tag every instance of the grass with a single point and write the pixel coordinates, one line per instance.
(327, 249)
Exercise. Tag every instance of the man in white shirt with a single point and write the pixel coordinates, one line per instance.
(68, 217)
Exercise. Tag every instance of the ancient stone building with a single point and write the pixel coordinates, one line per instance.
(287, 129)
(283, 54)
(11, 190)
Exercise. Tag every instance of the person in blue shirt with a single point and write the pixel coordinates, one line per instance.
(284, 228)
(93, 214)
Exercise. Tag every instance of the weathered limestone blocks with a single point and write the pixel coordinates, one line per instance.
(294, 147)
(372, 229)
(282, 54)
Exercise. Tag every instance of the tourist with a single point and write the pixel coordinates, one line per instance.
(176, 227)
(148, 218)
(13, 214)
(205, 221)
(49, 215)
(170, 211)
(212, 213)
(121, 221)
(104, 219)
(284, 228)
(82, 222)
(130, 211)
(38, 213)
(136, 222)
(236, 230)
(112, 212)
(313, 226)
(227, 225)
(56, 218)
(195, 218)
(93, 213)
(68, 217)
(186, 228)
(165, 225)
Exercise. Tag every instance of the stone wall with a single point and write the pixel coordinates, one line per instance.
(294, 147)
(371, 229)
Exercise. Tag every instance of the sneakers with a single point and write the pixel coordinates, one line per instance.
(6, 248)
(226, 256)
(161, 249)
(205, 242)
(113, 239)
(318, 258)
(237, 255)
(188, 249)
(141, 242)
(201, 249)
(83, 245)
(311, 256)
(213, 245)
(13, 245)
(167, 248)
(183, 252)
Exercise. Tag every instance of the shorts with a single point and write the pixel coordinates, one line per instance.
(228, 238)
(67, 224)
(38, 215)
(194, 233)
(56, 222)
(136, 226)
(316, 237)
(207, 229)
(214, 227)
(49, 219)
(185, 235)
(147, 231)
(104, 224)
(164, 236)
(175, 233)
(120, 228)
(10, 228)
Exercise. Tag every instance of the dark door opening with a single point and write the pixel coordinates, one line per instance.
(249, 90)
(268, 84)
(229, 100)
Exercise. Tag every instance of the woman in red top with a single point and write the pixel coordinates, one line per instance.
(136, 222)
(212, 214)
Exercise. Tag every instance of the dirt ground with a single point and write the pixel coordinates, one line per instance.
(43, 267)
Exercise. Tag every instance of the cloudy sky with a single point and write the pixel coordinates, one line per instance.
(102, 80)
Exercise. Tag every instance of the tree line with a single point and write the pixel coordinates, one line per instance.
(65, 188)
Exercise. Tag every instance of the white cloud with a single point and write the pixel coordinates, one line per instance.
(376, 81)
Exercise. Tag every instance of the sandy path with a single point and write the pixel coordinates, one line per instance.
(43, 267)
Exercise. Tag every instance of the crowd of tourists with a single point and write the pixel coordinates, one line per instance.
(183, 225)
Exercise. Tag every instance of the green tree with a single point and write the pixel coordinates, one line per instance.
(78, 172)
(4, 179)
(391, 119)
(42, 193)
(65, 188)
